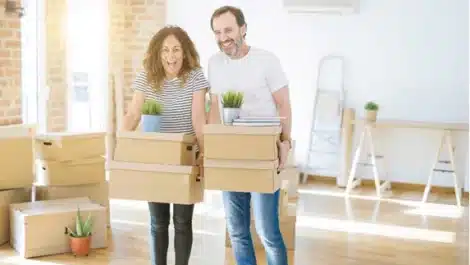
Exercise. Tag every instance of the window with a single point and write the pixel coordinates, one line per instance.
(87, 48)
(32, 61)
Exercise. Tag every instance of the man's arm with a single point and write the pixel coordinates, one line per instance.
(278, 84)
(282, 100)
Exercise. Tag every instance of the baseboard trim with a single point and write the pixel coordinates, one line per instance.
(395, 185)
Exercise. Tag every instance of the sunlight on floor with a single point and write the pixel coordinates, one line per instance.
(22, 261)
(132, 223)
(392, 231)
(444, 211)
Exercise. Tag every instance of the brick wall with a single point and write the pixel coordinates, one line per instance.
(133, 23)
(10, 68)
(56, 66)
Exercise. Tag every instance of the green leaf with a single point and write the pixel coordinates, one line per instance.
(232, 99)
(87, 227)
(152, 107)
(78, 223)
(371, 106)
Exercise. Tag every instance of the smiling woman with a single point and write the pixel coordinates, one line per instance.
(172, 77)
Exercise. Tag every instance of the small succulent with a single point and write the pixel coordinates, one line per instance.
(371, 106)
(83, 229)
(152, 107)
(232, 99)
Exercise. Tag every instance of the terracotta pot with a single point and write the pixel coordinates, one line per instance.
(371, 115)
(80, 245)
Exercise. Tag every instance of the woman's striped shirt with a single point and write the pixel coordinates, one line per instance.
(176, 100)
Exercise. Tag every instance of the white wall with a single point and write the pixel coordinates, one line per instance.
(409, 56)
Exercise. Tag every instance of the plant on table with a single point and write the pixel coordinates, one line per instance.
(371, 109)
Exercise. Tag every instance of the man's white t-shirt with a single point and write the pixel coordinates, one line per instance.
(258, 74)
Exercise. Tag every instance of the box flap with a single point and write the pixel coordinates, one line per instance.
(83, 199)
(176, 137)
(117, 165)
(59, 136)
(17, 131)
(241, 164)
(84, 161)
(242, 130)
(59, 208)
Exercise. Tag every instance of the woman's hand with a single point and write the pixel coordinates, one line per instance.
(200, 165)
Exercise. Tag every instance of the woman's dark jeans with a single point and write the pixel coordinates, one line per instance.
(159, 222)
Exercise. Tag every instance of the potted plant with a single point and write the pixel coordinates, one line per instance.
(151, 116)
(80, 239)
(371, 109)
(231, 103)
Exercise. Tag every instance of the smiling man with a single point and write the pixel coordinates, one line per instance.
(259, 75)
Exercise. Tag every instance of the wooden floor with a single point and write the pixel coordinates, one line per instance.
(330, 230)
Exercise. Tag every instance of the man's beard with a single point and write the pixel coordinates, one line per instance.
(234, 49)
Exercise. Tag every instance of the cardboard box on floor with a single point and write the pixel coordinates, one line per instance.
(98, 193)
(69, 146)
(155, 183)
(75, 172)
(240, 142)
(16, 152)
(39, 228)
(155, 148)
(241, 175)
(287, 225)
(292, 176)
(8, 197)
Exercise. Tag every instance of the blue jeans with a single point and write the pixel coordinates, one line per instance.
(266, 213)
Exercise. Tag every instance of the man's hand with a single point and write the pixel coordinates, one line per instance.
(283, 148)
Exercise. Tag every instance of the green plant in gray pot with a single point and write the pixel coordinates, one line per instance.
(151, 116)
(371, 109)
(232, 102)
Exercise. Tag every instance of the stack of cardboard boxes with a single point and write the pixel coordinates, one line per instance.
(71, 165)
(155, 167)
(37, 228)
(16, 171)
(245, 159)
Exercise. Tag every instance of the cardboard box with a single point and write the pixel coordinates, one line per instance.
(292, 176)
(67, 146)
(155, 183)
(66, 173)
(241, 175)
(167, 148)
(287, 226)
(98, 193)
(8, 197)
(16, 152)
(241, 142)
(39, 228)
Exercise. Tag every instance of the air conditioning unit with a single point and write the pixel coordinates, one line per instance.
(337, 7)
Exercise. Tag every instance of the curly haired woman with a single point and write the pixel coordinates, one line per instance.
(173, 77)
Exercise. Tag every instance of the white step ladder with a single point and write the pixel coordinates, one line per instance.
(325, 133)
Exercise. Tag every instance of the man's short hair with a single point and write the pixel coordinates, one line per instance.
(237, 12)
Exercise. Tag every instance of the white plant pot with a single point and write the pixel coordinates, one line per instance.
(230, 114)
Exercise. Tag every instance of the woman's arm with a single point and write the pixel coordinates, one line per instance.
(132, 117)
(199, 116)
